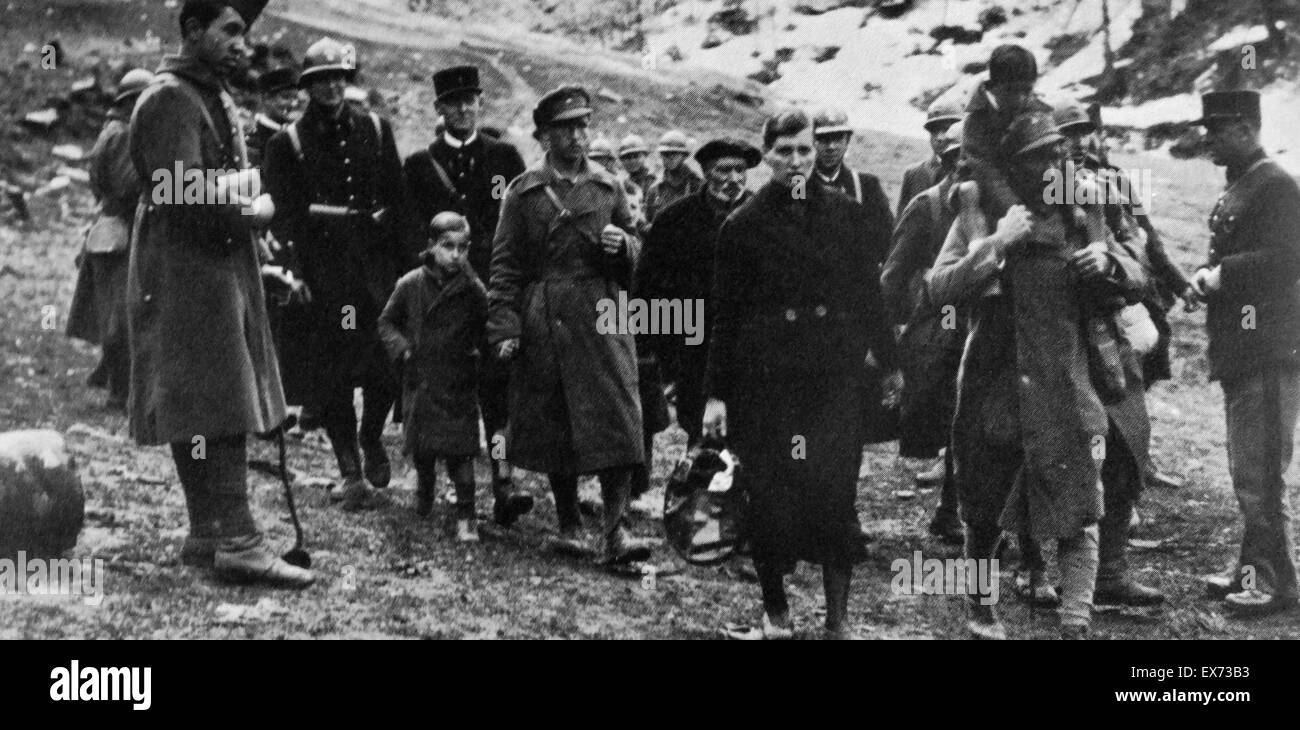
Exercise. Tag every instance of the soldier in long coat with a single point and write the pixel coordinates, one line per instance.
(1030, 428)
(564, 245)
(337, 183)
(98, 312)
(466, 171)
(1249, 282)
(796, 310)
(204, 370)
(931, 343)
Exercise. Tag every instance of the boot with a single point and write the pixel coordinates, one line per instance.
(424, 494)
(622, 548)
(349, 461)
(247, 560)
(1034, 589)
(508, 502)
(378, 470)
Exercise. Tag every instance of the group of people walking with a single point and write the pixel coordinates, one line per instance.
(1010, 334)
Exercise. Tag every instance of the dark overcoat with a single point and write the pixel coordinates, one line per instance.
(574, 401)
(441, 320)
(931, 345)
(1254, 318)
(916, 178)
(796, 309)
(203, 363)
(1025, 384)
(350, 263)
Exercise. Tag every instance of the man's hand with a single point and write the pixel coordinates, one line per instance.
(1092, 262)
(1206, 281)
(1191, 300)
(613, 239)
(892, 388)
(715, 418)
(1012, 228)
(506, 349)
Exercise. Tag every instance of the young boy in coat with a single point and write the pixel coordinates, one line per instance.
(435, 322)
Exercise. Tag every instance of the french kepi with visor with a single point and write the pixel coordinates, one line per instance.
(456, 80)
(716, 149)
(1222, 106)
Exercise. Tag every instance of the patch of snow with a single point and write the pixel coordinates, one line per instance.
(1238, 37)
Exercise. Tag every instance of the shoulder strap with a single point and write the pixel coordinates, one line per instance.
(379, 127)
(446, 179)
(857, 184)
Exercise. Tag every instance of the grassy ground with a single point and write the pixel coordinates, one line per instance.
(386, 574)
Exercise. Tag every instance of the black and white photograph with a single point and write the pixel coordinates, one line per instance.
(706, 320)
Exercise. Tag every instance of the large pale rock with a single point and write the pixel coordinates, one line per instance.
(41, 503)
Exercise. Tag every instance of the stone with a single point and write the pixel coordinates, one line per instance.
(42, 506)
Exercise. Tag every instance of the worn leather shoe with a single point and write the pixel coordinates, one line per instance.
(1034, 589)
(1219, 587)
(1126, 592)
(1254, 603)
(259, 565)
(621, 548)
(378, 470)
(509, 504)
(571, 542)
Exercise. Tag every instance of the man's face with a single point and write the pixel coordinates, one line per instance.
(1228, 140)
(221, 44)
(567, 140)
(1013, 97)
(791, 156)
(327, 89)
(725, 178)
(450, 250)
(938, 136)
(1079, 141)
(282, 105)
(831, 149)
(461, 112)
(672, 160)
(634, 162)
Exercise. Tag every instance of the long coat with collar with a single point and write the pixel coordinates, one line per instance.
(350, 263)
(865, 190)
(480, 172)
(916, 178)
(930, 348)
(796, 309)
(203, 363)
(1254, 318)
(441, 320)
(574, 403)
(1025, 384)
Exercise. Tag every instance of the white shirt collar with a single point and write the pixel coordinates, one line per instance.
(456, 144)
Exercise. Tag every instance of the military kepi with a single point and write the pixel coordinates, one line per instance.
(561, 105)
(1224, 105)
(456, 80)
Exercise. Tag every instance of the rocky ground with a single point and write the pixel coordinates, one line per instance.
(386, 574)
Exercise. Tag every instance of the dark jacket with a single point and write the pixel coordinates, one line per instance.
(1254, 319)
(670, 188)
(916, 178)
(865, 190)
(263, 129)
(574, 401)
(350, 262)
(480, 172)
(792, 297)
(202, 358)
(441, 320)
(981, 150)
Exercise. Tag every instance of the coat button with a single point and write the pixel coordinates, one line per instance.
(820, 311)
(791, 315)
